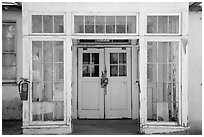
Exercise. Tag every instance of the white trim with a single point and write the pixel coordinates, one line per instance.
(163, 14)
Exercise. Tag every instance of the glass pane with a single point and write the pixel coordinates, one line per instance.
(120, 24)
(86, 58)
(162, 52)
(173, 112)
(48, 51)
(86, 71)
(152, 111)
(9, 73)
(152, 52)
(48, 72)
(122, 70)
(36, 23)
(113, 70)
(59, 111)
(162, 92)
(48, 92)
(162, 24)
(162, 73)
(173, 52)
(58, 93)
(58, 51)
(47, 24)
(8, 59)
(37, 111)
(58, 24)
(113, 58)
(122, 58)
(162, 111)
(95, 71)
(8, 45)
(173, 24)
(59, 71)
(152, 72)
(37, 51)
(100, 24)
(48, 110)
(8, 31)
(95, 58)
(37, 94)
(37, 72)
(151, 24)
(173, 74)
(78, 24)
(89, 24)
(110, 24)
(131, 24)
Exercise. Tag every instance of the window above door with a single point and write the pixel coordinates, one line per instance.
(105, 24)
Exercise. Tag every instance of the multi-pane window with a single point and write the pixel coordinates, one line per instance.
(162, 81)
(9, 68)
(90, 65)
(47, 80)
(163, 24)
(118, 64)
(47, 24)
(105, 24)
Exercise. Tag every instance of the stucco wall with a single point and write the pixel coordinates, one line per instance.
(11, 103)
(195, 71)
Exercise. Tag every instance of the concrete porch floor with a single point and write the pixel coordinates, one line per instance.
(92, 127)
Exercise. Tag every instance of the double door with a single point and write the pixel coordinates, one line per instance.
(104, 89)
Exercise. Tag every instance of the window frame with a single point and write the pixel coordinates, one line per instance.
(65, 81)
(9, 81)
(163, 14)
(47, 13)
(105, 14)
(143, 79)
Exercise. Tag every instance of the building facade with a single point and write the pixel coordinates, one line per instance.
(105, 61)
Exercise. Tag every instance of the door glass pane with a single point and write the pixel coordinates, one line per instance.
(86, 58)
(120, 24)
(131, 24)
(8, 59)
(58, 94)
(58, 24)
(47, 24)
(100, 24)
(59, 111)
(122, 58)
(37, 23)
(89, 24)
(152, 52)
(122, 70)
(162, 73)
(86, 71)
(48, 51)
(113, 58)
(94, 70)
(173, 24)
(8, 45)
(95, 58)
(37, 111)
(110, 24)
(37, 72)
(37, 94)
(173, 52)
(162, 24)
(59, 71)
(151, 24)
(48, 111)
(113, 70)
(152, 72)
(162, 52)
(78, 24)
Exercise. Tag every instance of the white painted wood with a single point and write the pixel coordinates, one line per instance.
(184, 90)
(143, 82)
(118, 98)
(90, 97)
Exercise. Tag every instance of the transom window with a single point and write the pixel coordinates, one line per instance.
(105, 24)
(9, 68)
(47, 24)
(163, 24)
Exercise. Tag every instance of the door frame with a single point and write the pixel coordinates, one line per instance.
(134, 47)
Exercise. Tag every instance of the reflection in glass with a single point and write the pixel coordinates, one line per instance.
(47, 24)
(120, 24)
(122, 58)
(131, 24)
(78, 24)
(173, 24)
(100, 24)
(151, 24)
(36, 23)
(86, 71)
(113, 70)
(110, 24)
(48, 51)
(162, 24)
(89, 24)
(113, 58)
(122, 70)
(86, 58)
(58, 24)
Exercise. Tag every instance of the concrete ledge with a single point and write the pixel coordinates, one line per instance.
(153, 129)
(47, 129)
